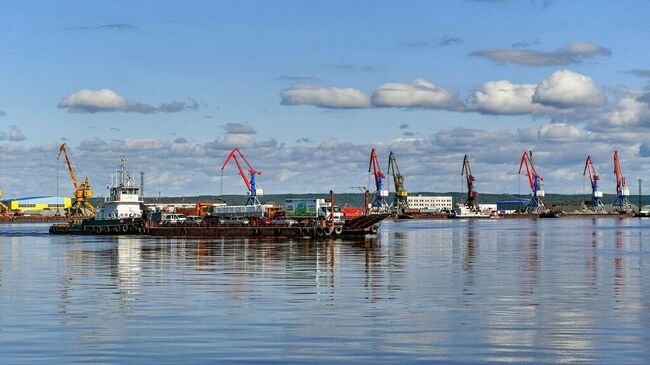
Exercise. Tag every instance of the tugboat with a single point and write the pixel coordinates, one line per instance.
(121, 212)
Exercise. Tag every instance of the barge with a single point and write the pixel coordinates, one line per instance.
(123, 213)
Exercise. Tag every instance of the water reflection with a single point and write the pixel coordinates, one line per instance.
(517, 291)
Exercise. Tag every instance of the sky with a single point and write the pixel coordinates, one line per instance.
(306, 89)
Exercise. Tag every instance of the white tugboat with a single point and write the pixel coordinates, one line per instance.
(121, 212)
(123, 200)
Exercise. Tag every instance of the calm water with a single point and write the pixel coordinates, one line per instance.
(547, 291)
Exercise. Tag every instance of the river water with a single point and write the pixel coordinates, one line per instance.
(489, 291)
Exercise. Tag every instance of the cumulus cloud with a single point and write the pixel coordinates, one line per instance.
(325, 97)
(564, 94)
(567, 89)
(15, 134)
(569, 54)
(629, 111)
(239, 128)
(231, 140)
(505, 97)
(554, 132)
(419, 93)
(106, 100)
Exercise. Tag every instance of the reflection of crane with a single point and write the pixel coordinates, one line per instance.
(472, 194)
(595, 204)
(82, 190)
(621, 204)
(401, 200)
(536, 204)
(251, 185)
(379, 176)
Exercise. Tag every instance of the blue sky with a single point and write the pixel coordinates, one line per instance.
(315, 86)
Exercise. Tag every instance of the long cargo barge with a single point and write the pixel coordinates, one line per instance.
(358, 227)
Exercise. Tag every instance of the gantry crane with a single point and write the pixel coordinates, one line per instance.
(621, 205)
(381, 193)
(536, 204)
(251, 185)
(82, 191)
(401, 195)
(595, 204)
(471, 203)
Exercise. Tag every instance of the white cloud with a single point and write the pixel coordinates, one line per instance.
(418, 94)
(325, 97)
(553, 132)
(106, 100)
(629, 111)
(230, 140)
(567, 89)
(504, 97)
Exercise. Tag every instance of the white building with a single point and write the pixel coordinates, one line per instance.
(429, 202)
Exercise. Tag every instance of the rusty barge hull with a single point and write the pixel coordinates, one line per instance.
(251, 232)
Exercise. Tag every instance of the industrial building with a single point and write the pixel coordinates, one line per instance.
(438, 203)
(40, 204)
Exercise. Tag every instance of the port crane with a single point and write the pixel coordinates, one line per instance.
(401, 195)
(621, 205)
(536, 204)
(381, 193)
(4, 210)
(82, 191)
(251, 185)
(471, 203)
(595, 204)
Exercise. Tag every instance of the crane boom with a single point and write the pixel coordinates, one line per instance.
(64, 151)
(472, 194)
(595, 204)
(379, 176)
(401, 195)
(250, 183)
(82, 190)
(536, 204)
(622, 205)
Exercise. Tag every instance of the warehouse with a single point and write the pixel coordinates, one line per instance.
(40, 204)
(437, 203)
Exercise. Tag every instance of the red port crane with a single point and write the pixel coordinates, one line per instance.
(621, 204)
(251, 185)
(471, 203)
(373, 167)
(595, 204)
(536, 204)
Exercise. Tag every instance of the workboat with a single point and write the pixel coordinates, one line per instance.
(121, 212)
